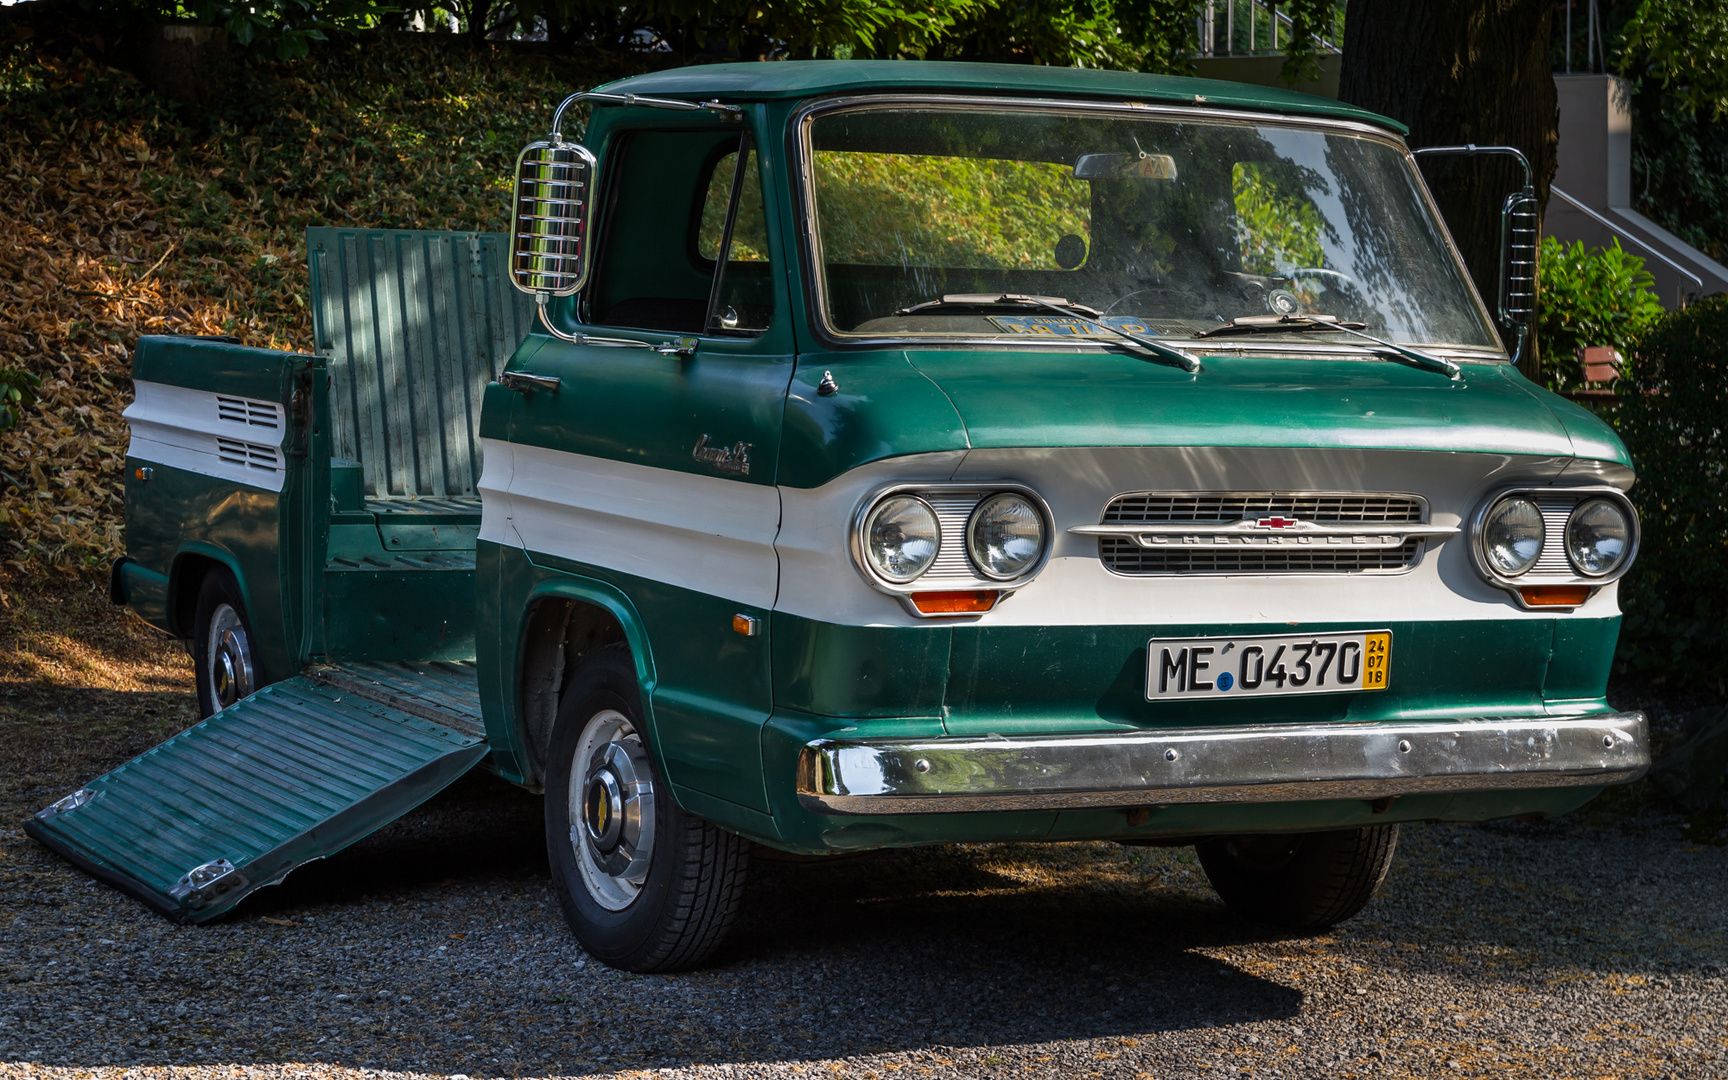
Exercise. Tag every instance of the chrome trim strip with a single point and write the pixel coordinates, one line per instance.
(1251, 763)
(1249, 528)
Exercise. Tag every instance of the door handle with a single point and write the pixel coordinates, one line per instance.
(525, 382)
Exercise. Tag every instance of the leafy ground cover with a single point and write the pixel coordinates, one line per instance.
(129, 215)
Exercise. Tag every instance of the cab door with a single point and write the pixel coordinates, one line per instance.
(653, 468)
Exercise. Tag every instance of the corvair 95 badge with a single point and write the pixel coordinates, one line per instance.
(732, 459)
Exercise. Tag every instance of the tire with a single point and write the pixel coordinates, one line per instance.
(1304, 881)
(224, 651)
(644, 886)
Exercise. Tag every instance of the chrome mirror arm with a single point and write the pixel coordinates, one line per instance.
(679, 346)
(557, 137)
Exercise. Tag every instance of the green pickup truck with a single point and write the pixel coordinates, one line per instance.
(840, 456)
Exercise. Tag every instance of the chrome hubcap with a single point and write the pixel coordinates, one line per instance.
(611, 810)
(230, 653)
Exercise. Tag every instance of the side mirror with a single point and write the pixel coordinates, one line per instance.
(552, 218)
(1518, 248)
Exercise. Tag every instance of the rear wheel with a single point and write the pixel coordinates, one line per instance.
(1303, 881)
(644, 885)
(222, 648)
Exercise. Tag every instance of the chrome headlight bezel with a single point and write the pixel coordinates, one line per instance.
(1481, 537)
(1626, 512)
(1554, 565)
(869, 520)
(955, 522)
(978, 561)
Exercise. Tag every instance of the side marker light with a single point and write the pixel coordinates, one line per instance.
(747, 625)
(955, 603)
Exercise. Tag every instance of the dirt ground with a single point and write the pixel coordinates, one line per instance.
(1591, 946)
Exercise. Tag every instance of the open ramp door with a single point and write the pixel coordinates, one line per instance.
(296, 772)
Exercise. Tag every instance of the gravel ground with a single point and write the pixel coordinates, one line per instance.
(1591, 946)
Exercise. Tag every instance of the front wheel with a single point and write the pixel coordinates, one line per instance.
(1304, 881)
(644, 885)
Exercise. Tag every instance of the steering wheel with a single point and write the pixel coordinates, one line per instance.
(1321, 271)
(1114, 304)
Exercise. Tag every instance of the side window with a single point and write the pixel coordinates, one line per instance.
(664, 271)
(749, 229)
(743, 282)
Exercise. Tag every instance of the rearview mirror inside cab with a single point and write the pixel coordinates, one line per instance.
(1140, 166)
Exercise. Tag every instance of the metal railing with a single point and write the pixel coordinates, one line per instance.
(1621, 232)
(1252, 28)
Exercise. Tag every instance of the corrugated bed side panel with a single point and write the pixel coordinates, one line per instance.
(252, 782)
(414, 324)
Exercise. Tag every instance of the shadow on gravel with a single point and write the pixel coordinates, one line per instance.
(479, 827)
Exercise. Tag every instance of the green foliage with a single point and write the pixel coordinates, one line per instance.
(1682, 46)
(17, 393)
(1680, 171)
(1673, 414)
(1596, 296)
(1274, 231)
(905, 210)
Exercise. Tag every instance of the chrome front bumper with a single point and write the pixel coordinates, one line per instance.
(1260, 763)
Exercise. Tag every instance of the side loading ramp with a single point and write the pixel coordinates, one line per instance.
(296, 772)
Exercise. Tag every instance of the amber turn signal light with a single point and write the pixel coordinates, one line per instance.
(1554, 595)
(955, 603)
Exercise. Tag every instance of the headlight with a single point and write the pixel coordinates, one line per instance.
(1512, 535)
(902, 537)
(1598, 537)
(1005, 536)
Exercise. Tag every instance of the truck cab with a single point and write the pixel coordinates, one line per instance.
(884, 454)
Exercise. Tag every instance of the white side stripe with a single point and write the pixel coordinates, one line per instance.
(237, 439)
(704, 533)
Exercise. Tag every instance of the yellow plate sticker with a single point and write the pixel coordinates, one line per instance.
(1376, 661)
(1268, 665)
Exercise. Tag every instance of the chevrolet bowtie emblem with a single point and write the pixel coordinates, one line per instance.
(1276, 523)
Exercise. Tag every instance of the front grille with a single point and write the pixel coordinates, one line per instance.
(1209, 553)
(1224, 507)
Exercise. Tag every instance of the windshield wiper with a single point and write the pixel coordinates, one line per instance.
(1296, 324)
(1167, 354)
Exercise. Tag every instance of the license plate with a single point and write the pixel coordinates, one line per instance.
(1267, 666)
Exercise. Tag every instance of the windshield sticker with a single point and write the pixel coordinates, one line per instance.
(1063, 326)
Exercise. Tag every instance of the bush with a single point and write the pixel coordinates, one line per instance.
(1673, 414)
(1595, 296)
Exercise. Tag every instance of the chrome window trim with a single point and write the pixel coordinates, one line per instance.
(1530, 578)
(903, 591)
(810, 249)
(1423, 531)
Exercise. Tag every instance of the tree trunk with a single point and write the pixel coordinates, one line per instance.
(1461, 71)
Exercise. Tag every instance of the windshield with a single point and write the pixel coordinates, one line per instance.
(1162, 226)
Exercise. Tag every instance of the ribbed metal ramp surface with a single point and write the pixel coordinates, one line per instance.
(296, 772)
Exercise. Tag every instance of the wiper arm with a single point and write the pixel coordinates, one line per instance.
(1167, 354)
(1296, 324)
(993, 300)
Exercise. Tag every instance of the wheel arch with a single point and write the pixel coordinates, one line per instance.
(186, 574)
(563, 621)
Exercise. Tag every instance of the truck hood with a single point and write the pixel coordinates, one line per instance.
(1024, 398)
